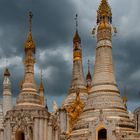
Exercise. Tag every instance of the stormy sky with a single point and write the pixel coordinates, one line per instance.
(53, 30)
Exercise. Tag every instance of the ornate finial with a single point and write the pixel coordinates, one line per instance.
(6, 73)
(104, 10)
(30, 20)
(30, 42)
(75, 110)
(76, 19)
(76, 37)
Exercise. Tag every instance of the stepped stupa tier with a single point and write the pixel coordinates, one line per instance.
(105, 107)
(78, 81)
(29, 95)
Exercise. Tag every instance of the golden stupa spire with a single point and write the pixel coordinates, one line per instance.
(29, 81)
(30, 43)
(76, 36)
(77, 52)
(103, 11)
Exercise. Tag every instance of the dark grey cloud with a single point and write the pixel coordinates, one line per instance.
(57, 72)
(52, 24)
(53, 29)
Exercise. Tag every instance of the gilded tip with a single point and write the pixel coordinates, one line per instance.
(7, 73)
(76, 36)
(104, 10)
(30, 42)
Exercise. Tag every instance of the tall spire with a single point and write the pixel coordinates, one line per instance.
(77, 76)
(76, 36)
(29, 93)
(104, 95)
(104, 85)
(77, 51)
(30, 42)
(78, 80)
(7, 94)
(88, 77)
(104, 69)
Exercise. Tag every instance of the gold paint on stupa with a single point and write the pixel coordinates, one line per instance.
(77, 55)
(75, 110)
(30, 42)
(76, 38)
(104, 9)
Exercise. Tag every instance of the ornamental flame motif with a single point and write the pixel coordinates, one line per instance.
(75, 110)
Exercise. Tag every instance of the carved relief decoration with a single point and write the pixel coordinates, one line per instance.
(75, 110)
